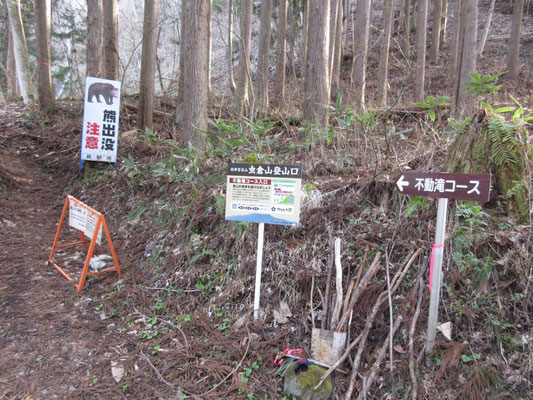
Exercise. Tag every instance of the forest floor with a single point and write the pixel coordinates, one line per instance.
(52, 340)
(178, 323)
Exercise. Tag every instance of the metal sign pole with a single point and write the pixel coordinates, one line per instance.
(260, 239)
(437, 254)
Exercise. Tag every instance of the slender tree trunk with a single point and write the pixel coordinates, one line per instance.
(263, 56)
(20, 50)
(95, 39)
(332, 35)
(436, 31)
(444, 22)
(210, 44)
(43, 10)
(406, 23)
(231, 79)
(339, 46)
(388, 15)
(111, 39)
(420, 68)
(316, 90)
(292, 31)
(462, 103)
(11, 68)
(195, 21)
(148, 57)
(281, 48)
(243, 101)
(362, 26)
(514, 61)
(486, 29)
(181, 81)
(347, 10)
(456, 35)
(305, 36)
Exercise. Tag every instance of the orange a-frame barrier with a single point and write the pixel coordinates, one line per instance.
(89, 250)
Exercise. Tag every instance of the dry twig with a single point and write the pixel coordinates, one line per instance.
(370, 319)
(362, 285)
(375, 368)
(156, 370)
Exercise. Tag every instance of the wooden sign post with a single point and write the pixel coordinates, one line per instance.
(474, 187)
(88, 222)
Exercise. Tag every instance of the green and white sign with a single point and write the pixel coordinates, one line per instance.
(264, 193)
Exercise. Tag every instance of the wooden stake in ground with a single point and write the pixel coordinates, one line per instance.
(338, 284)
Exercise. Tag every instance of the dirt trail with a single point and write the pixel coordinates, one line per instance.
(52, 342)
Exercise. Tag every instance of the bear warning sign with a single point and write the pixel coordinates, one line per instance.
(99, 137)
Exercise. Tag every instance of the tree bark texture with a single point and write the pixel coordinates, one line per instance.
(316, 87)
(444, 22)
(436, 31)
(195, 88)
(243, 100)
(43, 9)
(388, 15)
(339, 47)
(11, 70)
(111, 39)
(20, 50)
(95, 39)
(466, 60)
(332, 36)
(231, 79)
(305, 36)
(210, 45)
(263, 56)
(281, 49)
(181, 82)
(514, 62)
(454, 53)
(420, 67)
(406, 28)
(148, 58)
(360, 55)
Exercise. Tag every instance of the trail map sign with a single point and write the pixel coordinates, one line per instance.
(264, 193)
(475, 187)
(99, 137)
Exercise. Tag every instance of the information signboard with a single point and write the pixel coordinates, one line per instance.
(83, 219)
(99, 137)
(264, 193)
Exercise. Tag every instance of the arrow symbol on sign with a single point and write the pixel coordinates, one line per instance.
(401, 183)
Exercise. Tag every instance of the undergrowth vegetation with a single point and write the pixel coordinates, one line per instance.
(189, 275)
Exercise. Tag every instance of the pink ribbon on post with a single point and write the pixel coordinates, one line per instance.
(431, 263)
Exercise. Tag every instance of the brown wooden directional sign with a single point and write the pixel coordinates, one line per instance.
(475, 187)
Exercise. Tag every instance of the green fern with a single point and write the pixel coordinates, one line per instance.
(220, 205)
(414, 204)
(504, 142)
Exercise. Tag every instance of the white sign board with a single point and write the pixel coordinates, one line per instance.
(264, 193)
(99, 137)
(84, 220)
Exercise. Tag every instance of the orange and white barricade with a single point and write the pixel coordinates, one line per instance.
(88, 222)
